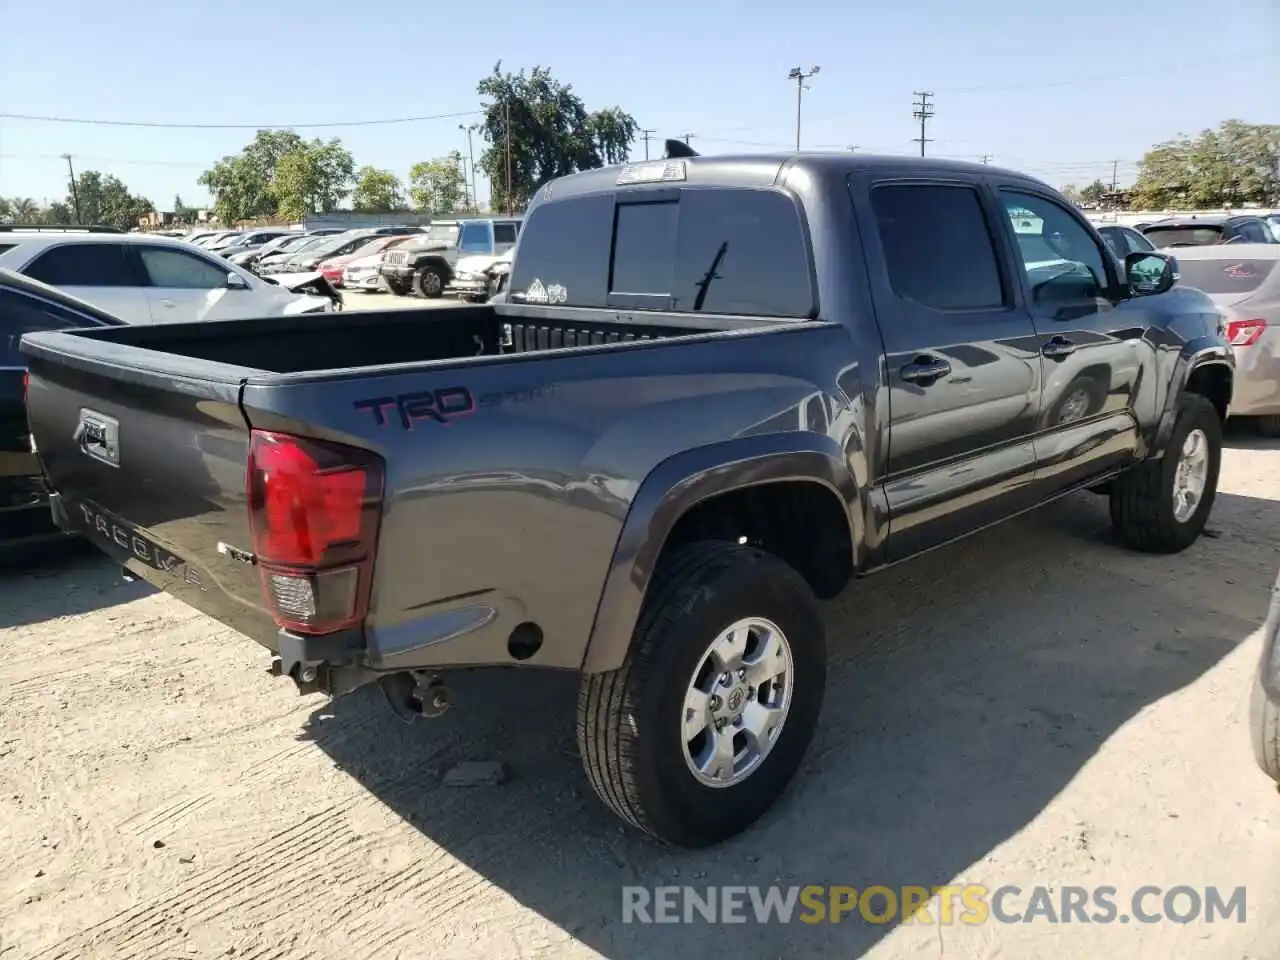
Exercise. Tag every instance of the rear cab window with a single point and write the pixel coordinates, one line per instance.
(731, 251)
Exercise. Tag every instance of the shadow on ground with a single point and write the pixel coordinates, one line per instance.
(1243, 435)
(966, 689)
(60, 578)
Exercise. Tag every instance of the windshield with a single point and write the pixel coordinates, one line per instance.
(329, 244)
(224, 241)
(278, 243)
(1225, 276)
(440, 235)
(1198, 236)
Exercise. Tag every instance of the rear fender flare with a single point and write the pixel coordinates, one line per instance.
(683, 481)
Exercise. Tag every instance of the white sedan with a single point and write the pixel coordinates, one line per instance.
(147, 279)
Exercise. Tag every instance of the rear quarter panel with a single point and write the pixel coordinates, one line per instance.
(512, 512)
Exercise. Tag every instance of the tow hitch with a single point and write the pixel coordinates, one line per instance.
(413, 695)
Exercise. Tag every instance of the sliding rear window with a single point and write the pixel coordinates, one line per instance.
(719, 251)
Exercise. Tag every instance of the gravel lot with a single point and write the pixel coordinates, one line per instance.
(1034, 706)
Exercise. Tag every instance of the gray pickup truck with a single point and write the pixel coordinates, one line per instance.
(717, 389)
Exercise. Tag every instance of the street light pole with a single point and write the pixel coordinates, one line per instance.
(800, 75)
(468, 129)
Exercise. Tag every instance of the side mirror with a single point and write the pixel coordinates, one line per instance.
(236, 282)
(1149, 273)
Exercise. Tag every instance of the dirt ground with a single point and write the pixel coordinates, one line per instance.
(1034, 706)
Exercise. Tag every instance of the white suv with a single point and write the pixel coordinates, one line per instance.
(146, 279)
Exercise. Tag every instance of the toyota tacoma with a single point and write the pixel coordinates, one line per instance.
(714, 391)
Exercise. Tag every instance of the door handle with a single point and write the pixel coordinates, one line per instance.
(924, 370)
(1058, 347)
(165, 303)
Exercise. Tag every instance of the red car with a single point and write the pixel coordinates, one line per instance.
(332, 269)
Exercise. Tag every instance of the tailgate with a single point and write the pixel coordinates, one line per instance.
(145, 453)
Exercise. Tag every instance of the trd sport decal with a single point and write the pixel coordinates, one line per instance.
(443, 406)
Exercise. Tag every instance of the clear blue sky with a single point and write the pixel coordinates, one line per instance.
(1059, 90)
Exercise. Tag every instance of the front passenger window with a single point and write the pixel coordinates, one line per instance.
(174, 269)
(1061, 259)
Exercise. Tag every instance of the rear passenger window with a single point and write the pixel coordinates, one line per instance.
(937, 246)
(565, 244)
(644, 249)
(504, 233)
(83, 265)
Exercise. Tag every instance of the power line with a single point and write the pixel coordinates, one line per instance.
(156, 124)
(646, 135)
(923, 112)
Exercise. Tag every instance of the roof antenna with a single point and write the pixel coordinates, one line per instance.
(678, 148)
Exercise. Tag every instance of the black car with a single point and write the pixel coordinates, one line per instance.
(1205, 231)
(25, 307)
(1124, 240)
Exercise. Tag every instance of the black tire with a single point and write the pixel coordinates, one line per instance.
(396, 287)
(1142, 505)
(628, 719)
(430, 281)
(1264, 730)
(1268, 426)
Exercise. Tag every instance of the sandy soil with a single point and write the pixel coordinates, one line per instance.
(1035, 706)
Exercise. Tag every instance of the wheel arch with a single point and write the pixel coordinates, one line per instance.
(803, 472)
(1205, 367)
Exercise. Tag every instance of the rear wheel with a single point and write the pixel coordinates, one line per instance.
(704, 726)
(1161, 506)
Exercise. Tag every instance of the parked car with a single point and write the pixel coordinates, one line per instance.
(283, 246)
(1244, 282)
(1124, 240)
(252, 240)
(26, 307)
(473, 279)
(339, 245)
(209, 240)
(335, 267)
(426, 266)
(1264, 713)
(275, 261)
(1198, 231)
(681, 428)
(143, 279)
(362, 273)
(1273, 223)
(198, 235)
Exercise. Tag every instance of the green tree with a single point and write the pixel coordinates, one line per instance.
(437, 186)
(181, 211)
(104, 199)
(1235, 164)
(313, 178)
(1094, 192)
(20, 210)
(551, 133)
(377, 191)
(57, 214)
(249, 184)
(1071, 192)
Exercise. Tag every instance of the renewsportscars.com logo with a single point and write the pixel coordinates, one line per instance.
(971, 904)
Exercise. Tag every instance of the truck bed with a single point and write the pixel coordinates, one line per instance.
(336, 341)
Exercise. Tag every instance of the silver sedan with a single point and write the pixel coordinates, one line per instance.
(1243, 279)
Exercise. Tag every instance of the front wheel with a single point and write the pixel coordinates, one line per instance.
(397, 287)
(705, 725)
(430, 282)
(1161, 506)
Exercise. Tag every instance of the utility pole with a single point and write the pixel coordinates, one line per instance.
(853, 148)
(507, 130)
(688, 136)
(800, 76)
(923, 112)
(75, 193)
(468, 129)
(646, 135)
(1115, 175)
(986, 159)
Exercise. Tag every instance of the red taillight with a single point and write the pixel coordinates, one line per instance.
(314, 509)
(1245, 333)
(26, 385)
